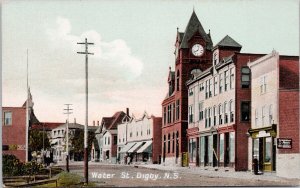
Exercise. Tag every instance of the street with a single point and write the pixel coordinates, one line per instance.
(147, 175)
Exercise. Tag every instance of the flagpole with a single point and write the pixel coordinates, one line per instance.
(27, 113)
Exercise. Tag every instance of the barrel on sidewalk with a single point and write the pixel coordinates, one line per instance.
(255, 166)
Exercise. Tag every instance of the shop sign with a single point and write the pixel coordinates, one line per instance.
(284, 143)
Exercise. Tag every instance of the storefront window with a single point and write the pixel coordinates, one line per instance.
(192, 150)
(231, 140)
(268, 149)
(221, 147)
(202, 149)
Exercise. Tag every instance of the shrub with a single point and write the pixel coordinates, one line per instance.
(13, 167)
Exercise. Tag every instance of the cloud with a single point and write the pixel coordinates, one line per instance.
(115, 54)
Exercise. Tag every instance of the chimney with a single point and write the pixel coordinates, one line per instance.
(93, 123)
(97, 123)
(74, 120)
(127, 112)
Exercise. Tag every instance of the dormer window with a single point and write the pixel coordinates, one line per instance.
(216, 57)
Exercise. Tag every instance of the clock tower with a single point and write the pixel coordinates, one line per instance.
(193, 51)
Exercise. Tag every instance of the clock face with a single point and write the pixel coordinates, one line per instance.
(197, 50)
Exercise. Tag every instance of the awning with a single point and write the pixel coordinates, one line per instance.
(127, 147)
(135, 147)
(146, 147)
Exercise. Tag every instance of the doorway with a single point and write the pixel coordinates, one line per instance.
(227, 150)
(215, 146)
(206, 151)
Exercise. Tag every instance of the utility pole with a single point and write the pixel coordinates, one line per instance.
(86, 173)
(68, 112)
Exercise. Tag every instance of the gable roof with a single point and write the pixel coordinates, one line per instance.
(193, 27)
(111, 122)
(47, 126)
(227, 41)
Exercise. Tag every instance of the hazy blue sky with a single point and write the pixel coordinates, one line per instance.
(134, 45)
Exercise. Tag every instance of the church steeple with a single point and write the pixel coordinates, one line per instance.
(192, 27)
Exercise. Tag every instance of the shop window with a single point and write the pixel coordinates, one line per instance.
(245, 111)
(192, 150)
(245, 77)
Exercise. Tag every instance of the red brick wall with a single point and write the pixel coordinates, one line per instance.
(289, 72)
(15, 134)
(241, 128)
(156, 144)
(289, 119)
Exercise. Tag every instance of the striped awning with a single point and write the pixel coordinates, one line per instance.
(127, 147)
(135, 147)
(146, 147)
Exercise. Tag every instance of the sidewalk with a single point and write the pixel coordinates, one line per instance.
(221, 172)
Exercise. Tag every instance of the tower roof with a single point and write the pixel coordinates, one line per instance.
(192, 27)
(228, 42)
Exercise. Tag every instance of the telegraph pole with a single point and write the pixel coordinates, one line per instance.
(86, 173)
(68, 112)
(27, 112)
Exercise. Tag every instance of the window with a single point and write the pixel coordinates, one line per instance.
(256, 117)
(177, 109)
(263, 111)
(7, 118)
(130, 134)
(220, 114)
(245, 111)
(245, 77)
(105, 141)
(173, 143)
(169, 142)
(206, 115)
(165, 115)
(206, 89)
(169, 113)
(201, 87)
(216, 58)
(115, 140)
(108, 140)
(54, 133)
(270, 115)
(215, 85)
(173, 114)
(220, 83)
(191, 114)
(210, 87)
(215, 115)
(191, 92)
(231, 111)
(137, 133)
(142, 133)
(201, 111)
(209, 117)
(177, 81)
(231, 78)
(226, 80)
(263, 85)
(225, 113)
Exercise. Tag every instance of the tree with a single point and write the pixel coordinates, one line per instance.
(77, 141)
(36, 140)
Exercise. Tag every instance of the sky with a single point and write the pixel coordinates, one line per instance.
(133, 48)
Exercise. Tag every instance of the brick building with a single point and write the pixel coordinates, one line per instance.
(219, 108)
(188, 46)
(275, 114)
(14, 129)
